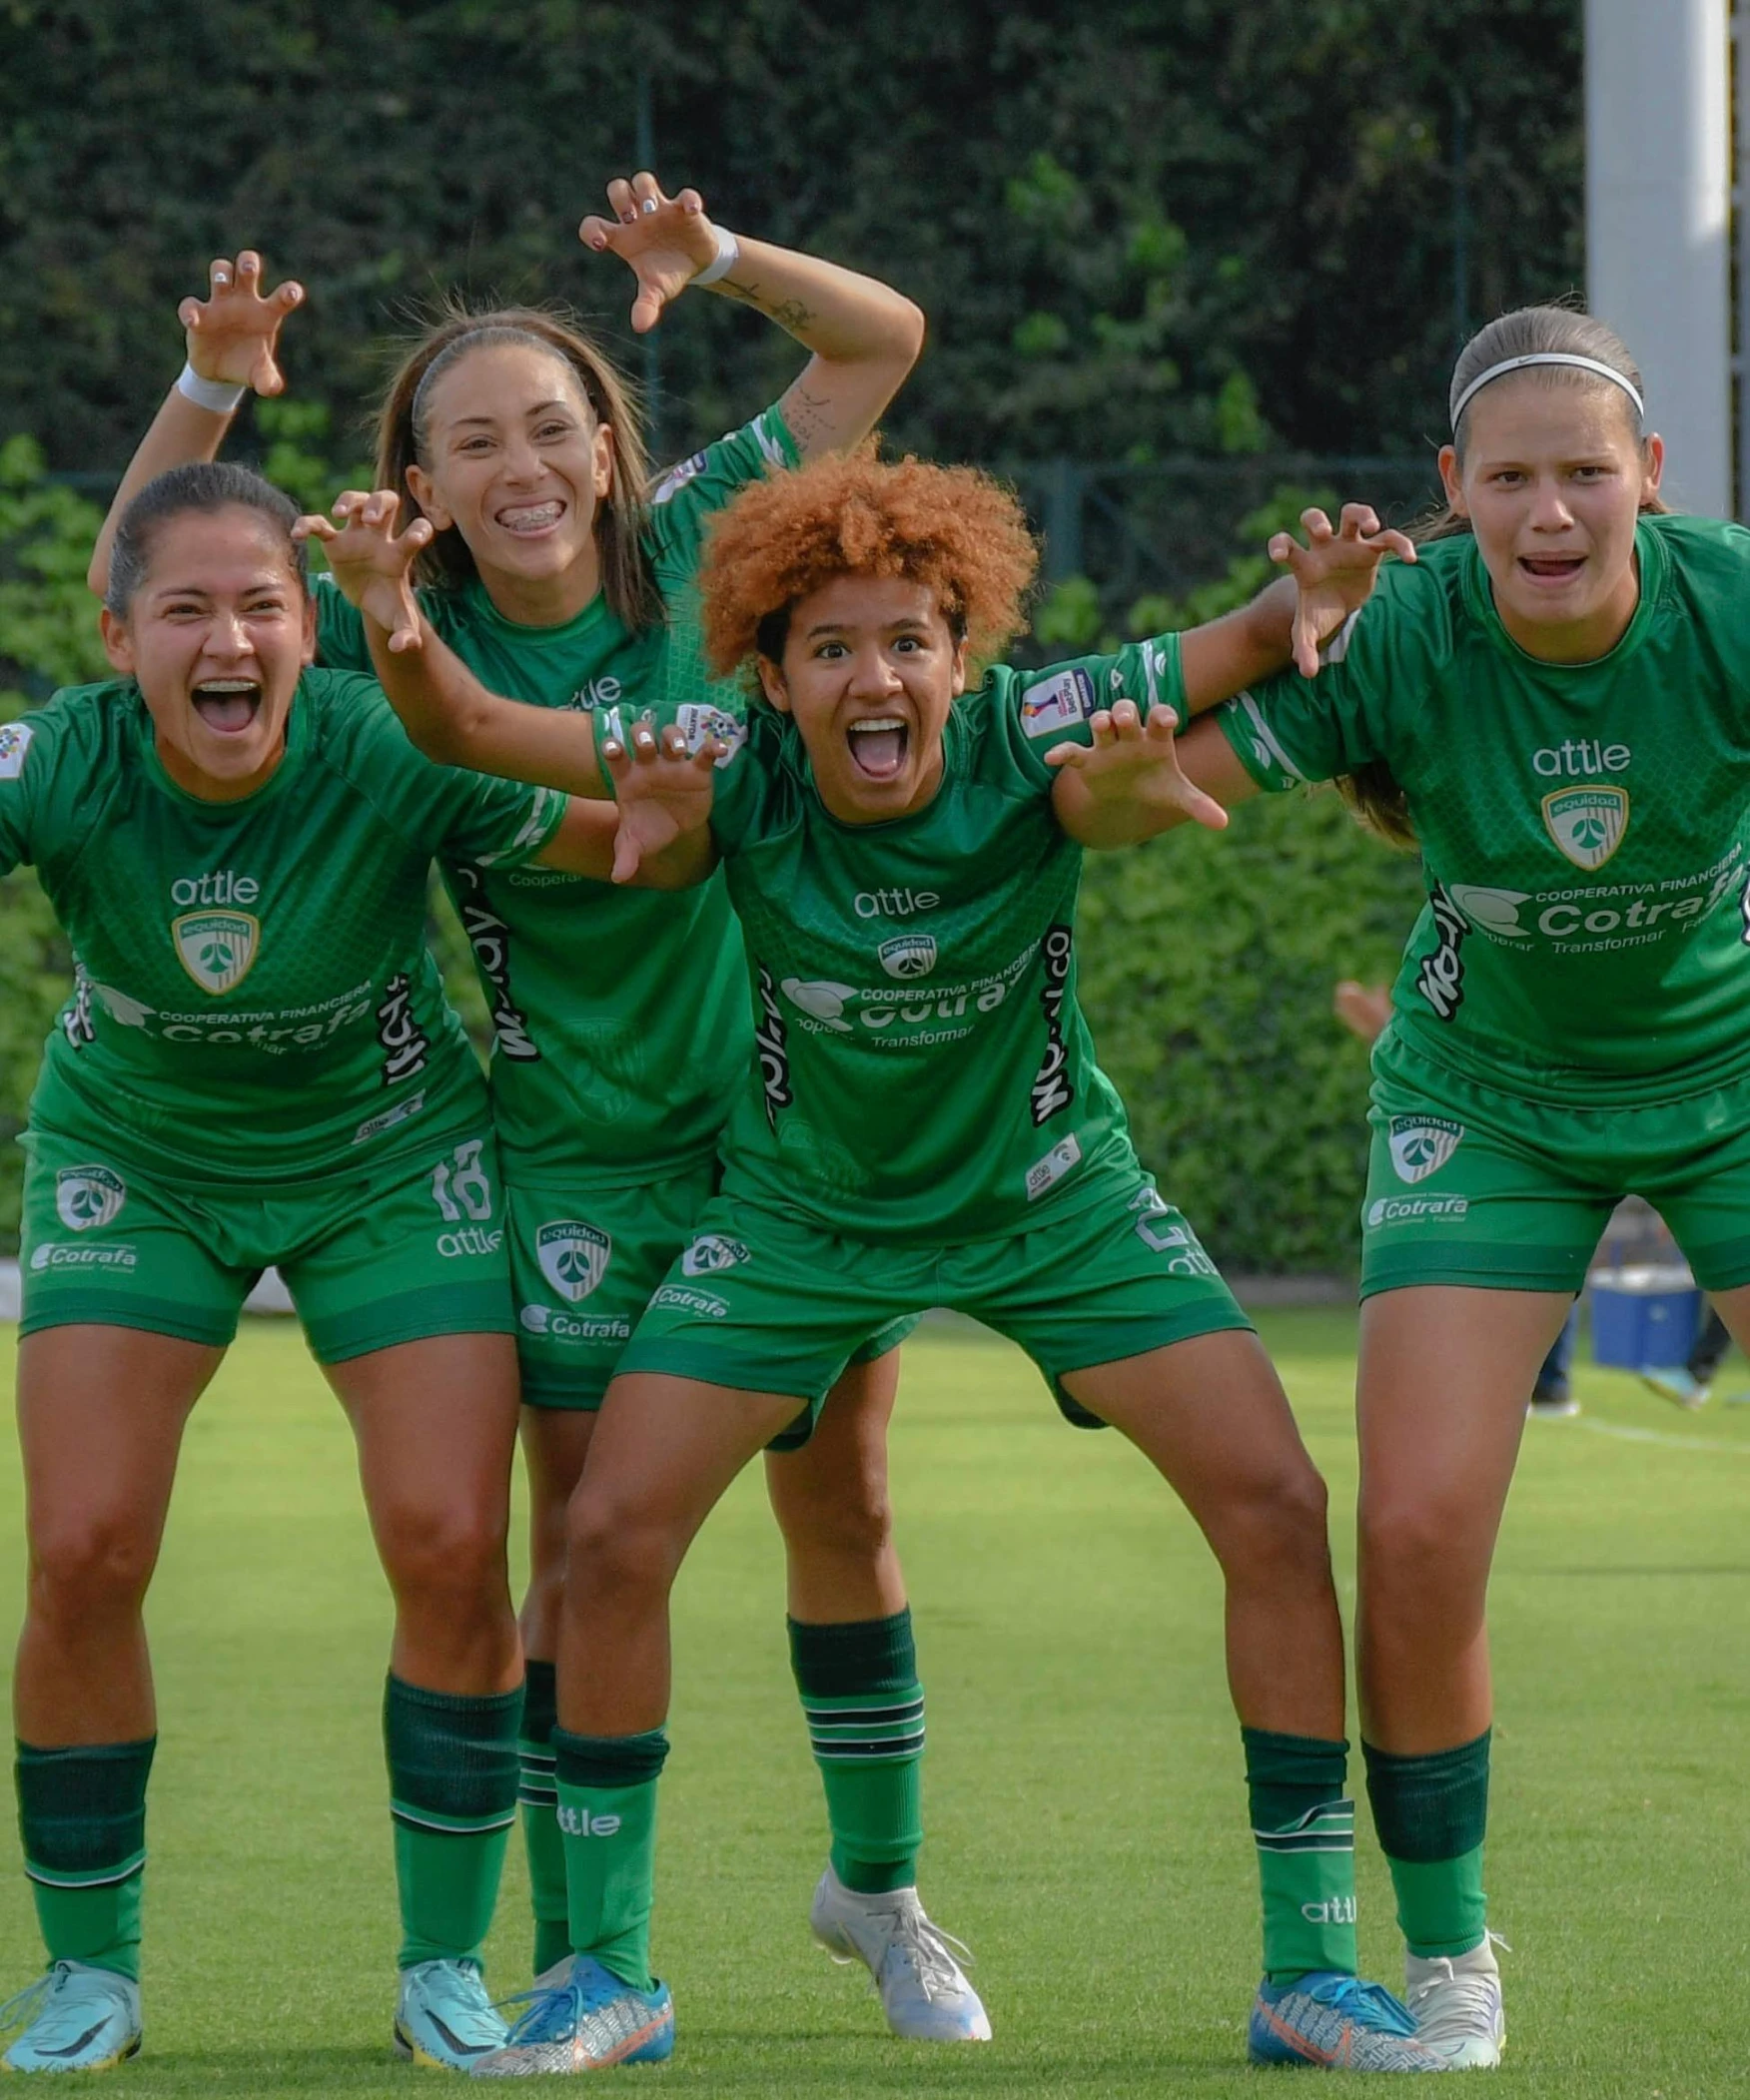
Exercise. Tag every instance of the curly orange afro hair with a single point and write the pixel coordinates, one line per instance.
(949, 527)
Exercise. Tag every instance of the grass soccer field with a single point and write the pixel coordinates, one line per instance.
(1084, 1799)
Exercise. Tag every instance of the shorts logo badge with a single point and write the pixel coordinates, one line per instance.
(712, 1251)
(216, 948)
(1421, 1144)
(574, 1256)
(908, 955)
(88, 1196)
(1586, 822)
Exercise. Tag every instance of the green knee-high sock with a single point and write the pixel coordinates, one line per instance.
(1432, 1814)
(539, 1796)
(82, 1819)
(607, 1816)
(865, 1712)
(452, 1796)
(1304, 1830)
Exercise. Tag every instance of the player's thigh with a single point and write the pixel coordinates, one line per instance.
(1473, 1187)
(414, 1253)
(101, 1412)
(769, 1304)
(101, 1245)
(585, 1258)
(1443, 1378)
(840, 1472)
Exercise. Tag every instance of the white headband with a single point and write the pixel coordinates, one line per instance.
(1496, 371)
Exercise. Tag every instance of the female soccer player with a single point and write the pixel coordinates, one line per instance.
(926, 1125)
(558, 576)
(257, 1066)
(1552, 702)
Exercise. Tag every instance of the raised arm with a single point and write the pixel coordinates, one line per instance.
(1292, 619)
(865, 337)
(446, 711)
(1138, 779)
(232, 336)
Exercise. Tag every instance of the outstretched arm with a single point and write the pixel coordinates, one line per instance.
(232, 336)
(1329, 578)
(1138, 779)
(865, 337)
(446, 711)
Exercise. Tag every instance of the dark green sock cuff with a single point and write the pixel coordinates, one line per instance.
(1430, 1808)
(1287, 1777)
(846, 1662)
(610, 1760)
(540, 1703)
(82, 1810)
(451, 1755)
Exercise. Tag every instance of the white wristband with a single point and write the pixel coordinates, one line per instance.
(728, 255)
(216, 395)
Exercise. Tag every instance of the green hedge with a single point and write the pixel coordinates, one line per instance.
(1206, 967)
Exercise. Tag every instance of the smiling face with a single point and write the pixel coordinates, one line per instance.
(515, 461)
(1552, 481)
(870, 672)
(217, 633)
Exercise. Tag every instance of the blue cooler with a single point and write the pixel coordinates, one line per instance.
(1644, 1317)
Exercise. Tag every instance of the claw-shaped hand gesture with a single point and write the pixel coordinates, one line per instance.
(667, 241)
(371, 562)
(662, 792)
(1137, 762)
(1335, 572)
(234, 331)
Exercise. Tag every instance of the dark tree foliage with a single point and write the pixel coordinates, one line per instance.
(1138, 229)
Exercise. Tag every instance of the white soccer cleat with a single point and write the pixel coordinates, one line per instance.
(923, 1990)
(1455, 2003)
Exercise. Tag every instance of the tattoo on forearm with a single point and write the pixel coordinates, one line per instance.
(789, 313)
(809, 416)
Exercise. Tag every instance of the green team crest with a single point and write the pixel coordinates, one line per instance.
(216, 948)
(574, 1256)
(1588, 823)
(1421, 1144)
(86, 1196)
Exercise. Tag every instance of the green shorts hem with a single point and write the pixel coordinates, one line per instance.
(415, 1316)
(1215, 1316)
(1723, 1266)
(179, 1323)
(1477, 1266)
(715, 1366)
(545, 1385)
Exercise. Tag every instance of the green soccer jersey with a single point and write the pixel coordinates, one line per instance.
(925, 1074)
(620, 1018)
(1583, 825)
(253, 1003)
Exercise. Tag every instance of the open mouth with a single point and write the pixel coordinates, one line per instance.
(878, 746)
(228, 705)
(531, 521)
(1552, 569)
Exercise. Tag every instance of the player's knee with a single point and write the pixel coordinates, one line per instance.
(1410, 1546)
(615, 1550)
(854, 1526)
(87, 1565)
(1276, 1526)
(452, 1557)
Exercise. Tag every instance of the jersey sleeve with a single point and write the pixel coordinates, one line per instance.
(687, 494)
(1038, 710)
(445, 811)
(340, 629)
(1365, 703)
(749, 783)
(26, 759)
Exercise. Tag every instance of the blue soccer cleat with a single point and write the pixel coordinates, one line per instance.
(444, 2018)
(76, 2018)
(581, 2018)
(1336, 2023)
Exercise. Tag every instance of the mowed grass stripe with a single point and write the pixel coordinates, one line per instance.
(1084, 1799)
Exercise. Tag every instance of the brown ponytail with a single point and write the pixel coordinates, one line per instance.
(1529, 332)
(628, 580)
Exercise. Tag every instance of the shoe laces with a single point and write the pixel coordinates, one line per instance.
(551, 2011)
(23, 2007)
(1459, 2002)
(1370, 2005)
(52, 2005)
(927, 1951)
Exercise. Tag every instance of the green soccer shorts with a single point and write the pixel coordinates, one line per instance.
(1470, 1185)
(585, 1258)
(414, 1250)
(767, 1303)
